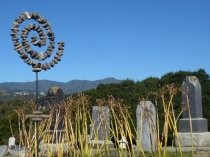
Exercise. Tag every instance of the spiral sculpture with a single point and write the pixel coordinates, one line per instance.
(44, 31)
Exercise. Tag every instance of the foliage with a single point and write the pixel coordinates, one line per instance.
(9, 119)
(132, 92)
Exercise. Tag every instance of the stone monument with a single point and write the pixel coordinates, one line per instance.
(101, 120)
(100, 127)
(146, 125)
(192, 105)
(193, 128)
(11, 143)
(25, 40)
(55, 95)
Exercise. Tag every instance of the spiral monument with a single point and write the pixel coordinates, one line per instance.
(25, 40)
(24, 48)
(32, 36)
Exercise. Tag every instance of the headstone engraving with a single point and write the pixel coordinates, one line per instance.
(100, 129)
(192, 120)
(146, 125)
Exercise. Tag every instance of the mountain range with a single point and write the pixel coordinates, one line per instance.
(69, 87)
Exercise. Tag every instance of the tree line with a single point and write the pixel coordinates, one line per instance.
(132, 92)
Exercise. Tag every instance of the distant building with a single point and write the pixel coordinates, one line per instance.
(22, 93)
(42, 93)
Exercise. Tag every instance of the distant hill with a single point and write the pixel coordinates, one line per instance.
(73, 86)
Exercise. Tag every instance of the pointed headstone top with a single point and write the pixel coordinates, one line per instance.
(192, 107)
(192, 98)
(192, 79)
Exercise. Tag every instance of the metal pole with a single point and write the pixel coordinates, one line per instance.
(37, 107)
(37, 91)
(36, 112)
(37, 70)
(36, 141)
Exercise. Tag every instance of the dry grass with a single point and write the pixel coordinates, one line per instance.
(69, 124)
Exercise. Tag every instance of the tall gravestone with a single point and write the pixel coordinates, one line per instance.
(146, 125)
(100, 127)
(192, 120)
(55, 96)
(193, 128)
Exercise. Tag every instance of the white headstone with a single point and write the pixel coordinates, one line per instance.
(146, 125)
(11, 142)
(123, 143)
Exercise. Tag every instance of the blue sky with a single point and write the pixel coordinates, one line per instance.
(125, 39)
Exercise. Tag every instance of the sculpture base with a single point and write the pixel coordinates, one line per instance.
(193, 139)
(198, 125)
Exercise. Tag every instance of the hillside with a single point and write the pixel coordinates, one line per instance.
(73, 86)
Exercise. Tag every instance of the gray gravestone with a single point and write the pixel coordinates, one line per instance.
(100, 129)
(146, 125)
(3, 150)
(192, 105)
